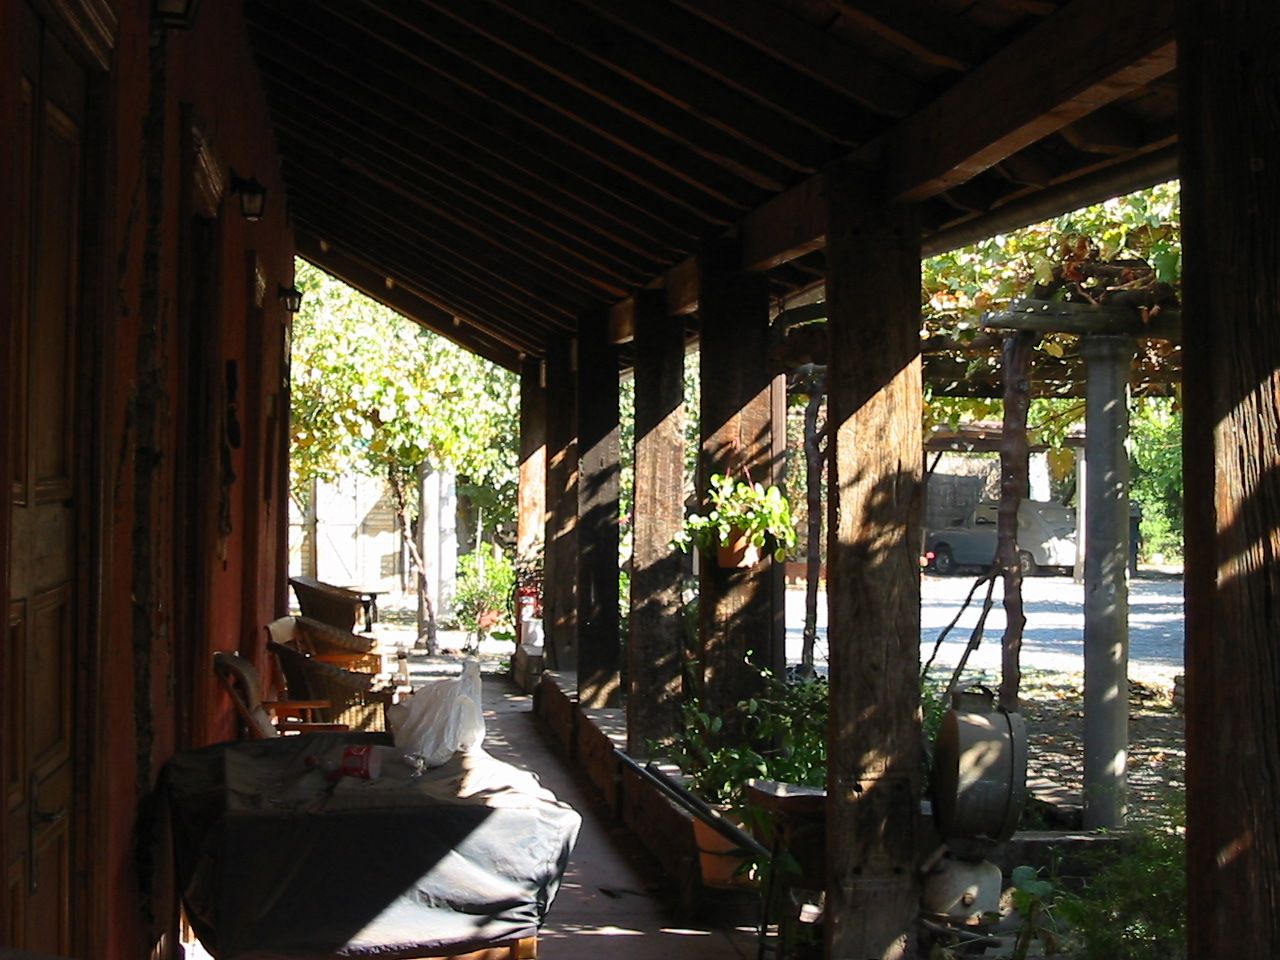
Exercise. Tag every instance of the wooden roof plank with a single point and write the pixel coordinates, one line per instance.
(813, 52)
(739, 65)
(644, 65)
(440, 288)
(430, 256)
(403, 302)
(932, 36)
(478, 63)
(583, 252)
(651, 227)
(762, 153)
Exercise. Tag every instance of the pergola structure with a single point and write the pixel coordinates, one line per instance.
(576, 187)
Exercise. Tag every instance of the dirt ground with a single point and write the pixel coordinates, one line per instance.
(1053, 704)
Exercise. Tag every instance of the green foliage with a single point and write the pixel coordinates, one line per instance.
(1135, 907)
(1156, 469)
(960, 286)
(780, 734)
(736, 506)
(483, 597)
(1034, 899)
(373, 393)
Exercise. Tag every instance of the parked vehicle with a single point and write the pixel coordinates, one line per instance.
(1046, 538)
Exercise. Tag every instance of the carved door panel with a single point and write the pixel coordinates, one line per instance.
(39, 656)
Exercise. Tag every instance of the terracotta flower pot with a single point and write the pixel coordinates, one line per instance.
(738, 552)
(719, 861)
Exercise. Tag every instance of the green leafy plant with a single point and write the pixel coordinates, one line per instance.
(780, 735)
(1135, 906)
(484, 592)
(1034, 898)
(736, 508)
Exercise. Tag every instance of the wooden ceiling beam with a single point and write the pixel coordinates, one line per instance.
(549, 238)
(443, 289)
(431, 252)
(813, 52)
(931, 35)
(1102, 50)
(548, 102)
(610, 65)
(404, 302)
(730, 61)
(653, 226)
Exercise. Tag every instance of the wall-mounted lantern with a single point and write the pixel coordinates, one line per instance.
(291, 297)
(176, 14)
(253, 196)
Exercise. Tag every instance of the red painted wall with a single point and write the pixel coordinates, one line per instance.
(211, 69)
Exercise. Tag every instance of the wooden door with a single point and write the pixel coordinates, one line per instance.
(38, 696)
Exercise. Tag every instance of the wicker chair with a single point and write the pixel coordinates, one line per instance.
(304, 649)
(336, 606)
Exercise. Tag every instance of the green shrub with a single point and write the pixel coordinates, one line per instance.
(483, 596)
(1135, 906)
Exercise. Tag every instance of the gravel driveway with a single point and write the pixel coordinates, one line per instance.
(1053, 639)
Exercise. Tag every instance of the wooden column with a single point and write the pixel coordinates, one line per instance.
(531, 495)
(873, 571)
(738, 424)
(657, 634)
(560, 566)
(598, 467)
(1229, 131)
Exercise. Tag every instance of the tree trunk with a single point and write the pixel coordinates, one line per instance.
(1013, 487)
(426, 630)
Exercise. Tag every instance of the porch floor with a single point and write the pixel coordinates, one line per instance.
(610, 890)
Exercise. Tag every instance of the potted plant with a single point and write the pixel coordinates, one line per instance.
(742, 519)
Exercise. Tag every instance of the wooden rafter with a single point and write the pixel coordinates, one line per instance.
(813, 52)
(373, 285)
(933, 36)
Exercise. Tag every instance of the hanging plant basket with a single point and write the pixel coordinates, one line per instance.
(737, 514)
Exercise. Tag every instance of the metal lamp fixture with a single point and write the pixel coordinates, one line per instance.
(253, 196)
(291, 297)
(176, 14)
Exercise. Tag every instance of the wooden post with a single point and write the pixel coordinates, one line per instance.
(560, 566)
(873, 570)
(656, 643)
(1106, 586)
(598, 467)
(1229, 85)
(531, 495)
(738, 424)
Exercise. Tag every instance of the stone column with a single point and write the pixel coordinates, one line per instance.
(1106, 590)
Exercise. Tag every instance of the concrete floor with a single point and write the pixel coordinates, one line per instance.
(612, 901)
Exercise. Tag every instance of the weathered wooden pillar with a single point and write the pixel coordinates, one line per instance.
(738, 424)
(560, 565)
(598, 468)
(1106, 587)
(656, 638)
(873, 571)
(531, 494)
(1229, 131)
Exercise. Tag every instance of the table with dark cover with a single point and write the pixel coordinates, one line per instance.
(275, 860)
